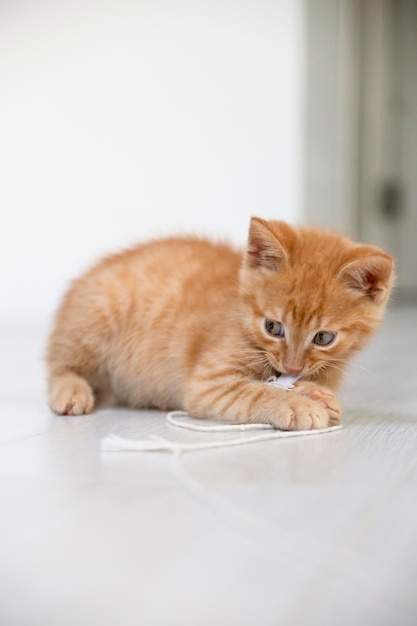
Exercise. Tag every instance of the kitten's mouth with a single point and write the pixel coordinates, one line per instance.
(278, 373)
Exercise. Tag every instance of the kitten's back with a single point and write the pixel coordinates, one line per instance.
(152, 304)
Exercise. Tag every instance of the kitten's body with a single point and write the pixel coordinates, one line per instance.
(180, 323)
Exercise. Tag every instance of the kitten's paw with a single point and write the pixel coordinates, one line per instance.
(300, 413)
(324, 396)
(71, 396)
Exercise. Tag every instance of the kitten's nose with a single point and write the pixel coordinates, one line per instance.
(291, 369)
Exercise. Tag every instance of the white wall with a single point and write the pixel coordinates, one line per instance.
(121, 120)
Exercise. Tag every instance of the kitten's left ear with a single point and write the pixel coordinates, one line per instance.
(264, 250)
(370, 275)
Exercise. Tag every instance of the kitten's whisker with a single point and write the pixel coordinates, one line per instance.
(348, 378)
(378, 352)
(353, 363)
(258, 361)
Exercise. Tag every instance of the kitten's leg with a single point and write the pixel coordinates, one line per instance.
(73, 364)
(70, 394)
(72, 367)
(235, 399)
(76, 351)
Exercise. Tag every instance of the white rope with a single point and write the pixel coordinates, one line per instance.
(173, 421)
(113, 443)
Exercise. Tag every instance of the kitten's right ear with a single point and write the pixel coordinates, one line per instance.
(264, 249)
(370, 274)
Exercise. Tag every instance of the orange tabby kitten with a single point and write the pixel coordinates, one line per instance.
(188, 324)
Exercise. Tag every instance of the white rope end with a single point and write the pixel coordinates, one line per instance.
(112, 443)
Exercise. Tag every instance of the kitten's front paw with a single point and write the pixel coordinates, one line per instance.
(324, 396)
(298, 412)
(71, 397)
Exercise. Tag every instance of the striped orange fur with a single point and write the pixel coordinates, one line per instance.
(180, 323)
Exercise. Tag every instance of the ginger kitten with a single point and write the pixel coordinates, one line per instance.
(188, 324)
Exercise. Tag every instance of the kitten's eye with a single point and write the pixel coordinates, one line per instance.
(324, 338)
(276, 329)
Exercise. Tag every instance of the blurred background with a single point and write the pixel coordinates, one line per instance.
(122, 120)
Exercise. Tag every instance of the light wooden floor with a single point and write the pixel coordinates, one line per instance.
(318, 531)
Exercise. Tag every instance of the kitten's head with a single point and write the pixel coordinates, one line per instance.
(312, 298)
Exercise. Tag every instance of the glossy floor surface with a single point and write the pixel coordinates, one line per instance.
(317, 530)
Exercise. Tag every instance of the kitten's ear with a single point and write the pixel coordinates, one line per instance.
(370, 275)
(264, 249)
